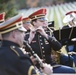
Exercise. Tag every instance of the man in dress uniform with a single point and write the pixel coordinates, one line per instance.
(12, 60)
(70, 20)
(42, 40)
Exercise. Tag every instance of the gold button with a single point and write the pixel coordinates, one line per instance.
(40, 40)
(43, 51)
(43, 55)
(42, 47)
(13, 46)
(41, 43)
(40, 36)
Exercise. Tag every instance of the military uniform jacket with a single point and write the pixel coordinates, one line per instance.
(13, 61)
(43, 47)
(64, 27)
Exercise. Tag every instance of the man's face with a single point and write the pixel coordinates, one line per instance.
(41, 22)
(26, 25)
(19, 37)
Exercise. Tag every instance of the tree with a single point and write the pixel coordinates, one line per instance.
(5, 5)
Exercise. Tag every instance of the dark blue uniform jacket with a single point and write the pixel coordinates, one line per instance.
(13, 61)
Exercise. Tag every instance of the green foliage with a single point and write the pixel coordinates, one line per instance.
(6, 5)
(4, 1)
(11, 12)
(21, 4)
(3, 5)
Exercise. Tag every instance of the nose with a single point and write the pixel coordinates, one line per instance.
(46, 22)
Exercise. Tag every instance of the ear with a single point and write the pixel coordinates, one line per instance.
(13, 34)
(34, 23)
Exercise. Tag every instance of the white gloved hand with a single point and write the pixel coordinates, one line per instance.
(42, 32)
(31, 36)
(48, 69)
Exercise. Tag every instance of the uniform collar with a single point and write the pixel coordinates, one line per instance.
(9, 43)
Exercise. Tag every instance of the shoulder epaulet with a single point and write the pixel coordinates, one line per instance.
(13, 48)
(18, 51)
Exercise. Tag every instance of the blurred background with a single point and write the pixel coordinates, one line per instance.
(26, 4)
(56, 9)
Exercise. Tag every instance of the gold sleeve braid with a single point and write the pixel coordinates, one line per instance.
(30, 71)
(37, 72)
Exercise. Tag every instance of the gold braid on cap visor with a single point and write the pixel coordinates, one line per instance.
(37, 16)
(11, 28)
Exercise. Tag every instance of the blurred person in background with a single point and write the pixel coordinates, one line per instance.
(27, 23)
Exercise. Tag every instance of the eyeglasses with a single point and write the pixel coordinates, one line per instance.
(43, 19)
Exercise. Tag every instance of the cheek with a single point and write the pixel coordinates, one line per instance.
(19, 36)
(46, 24)
(38, 23)
(23, 35)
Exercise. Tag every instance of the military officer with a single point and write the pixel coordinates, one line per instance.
(12, 60)
(42, 41)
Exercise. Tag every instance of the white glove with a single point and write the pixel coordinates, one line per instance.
(42, 32)
(48, 69)
(31, 36)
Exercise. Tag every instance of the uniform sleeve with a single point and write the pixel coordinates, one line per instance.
(56, 45)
